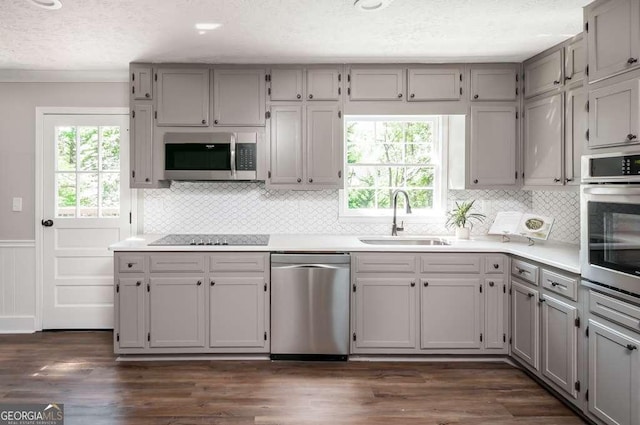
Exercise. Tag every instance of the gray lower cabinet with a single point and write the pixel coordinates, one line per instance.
(525, 327)
(450, 312)
(130, 312)
(176, 312)
(496, 304)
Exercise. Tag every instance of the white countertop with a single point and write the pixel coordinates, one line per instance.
(560, 255)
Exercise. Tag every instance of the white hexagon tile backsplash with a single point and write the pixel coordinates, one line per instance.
(206, 207)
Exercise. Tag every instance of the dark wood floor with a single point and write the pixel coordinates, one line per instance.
(79, 370)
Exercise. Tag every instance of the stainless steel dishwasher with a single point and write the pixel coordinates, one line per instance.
(310, 306)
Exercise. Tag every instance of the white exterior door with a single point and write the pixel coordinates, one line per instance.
(86, 207)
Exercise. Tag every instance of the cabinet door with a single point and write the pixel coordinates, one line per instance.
(614, 375)
(575, 133)
(434, 84)
(323, 84)
(613, 37)
(183, 97)
(493, 145)
(130, 303)
(614, 115)
(450, 313)
(496, 308)
(285, 84)
(560, 344)
(385, 311)
(324, 145)
(543, 141)
(575, 61)
(238, 97)
(376, 84)
(543, 74)
(141, 149)
(141, 82)
(493, 84)
(285, 145)
(176, 311)
(236, 311)
(525, 327)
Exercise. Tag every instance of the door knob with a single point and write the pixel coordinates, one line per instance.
(204, 121)
(413, 283)
(399, 95)
(299, 179)
(147, 95)
(298, 96)
(310, 96)
(496, 266)
(475, 181)
(475, 96)
(413, 95)
(310, 180)
(47, 223)
(491, 284)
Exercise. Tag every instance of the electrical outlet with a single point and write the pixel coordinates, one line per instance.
(16, 204)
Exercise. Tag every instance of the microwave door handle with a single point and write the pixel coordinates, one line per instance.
(233, 159)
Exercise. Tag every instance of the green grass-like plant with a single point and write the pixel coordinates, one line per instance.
(461, 215)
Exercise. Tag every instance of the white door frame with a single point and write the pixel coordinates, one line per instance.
(136, 199)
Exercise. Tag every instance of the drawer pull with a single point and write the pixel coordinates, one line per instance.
(129, 265)
(554, 284)
(542, 300)
(631, 347)
(413, 283)
(138, 283)
(521, 271)
(496, 266)
(199, 283)
(213, 283)
(631, 61)
(491, 284)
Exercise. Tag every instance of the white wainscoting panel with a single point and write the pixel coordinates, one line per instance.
(17, 287)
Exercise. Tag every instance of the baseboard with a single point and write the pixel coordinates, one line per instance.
(190, 357)
(17, 325)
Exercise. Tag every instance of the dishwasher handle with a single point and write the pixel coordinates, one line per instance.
(308, 266)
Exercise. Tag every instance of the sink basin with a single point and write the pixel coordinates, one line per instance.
(389, 241)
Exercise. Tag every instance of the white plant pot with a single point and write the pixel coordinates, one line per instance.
(462, 232)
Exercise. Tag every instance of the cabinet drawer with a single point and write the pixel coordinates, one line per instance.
(447, 263)
(494, 264)
(131, 264)
(615, 310)
(386, 263)
(525, 271)
(237, 262)
(560, 284)
(176, 263)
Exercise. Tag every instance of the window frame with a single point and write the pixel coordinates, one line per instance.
(439, 163)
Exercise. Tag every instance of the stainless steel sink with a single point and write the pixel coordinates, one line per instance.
(389, 241)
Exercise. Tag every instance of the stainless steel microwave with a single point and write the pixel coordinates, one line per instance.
(209, 156)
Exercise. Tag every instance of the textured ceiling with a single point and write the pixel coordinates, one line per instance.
(108, 34)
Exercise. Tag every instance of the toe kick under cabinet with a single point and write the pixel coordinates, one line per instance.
(436, 303)
(181, 303)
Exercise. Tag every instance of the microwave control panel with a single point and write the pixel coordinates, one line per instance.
(615, 166)
(245, 156)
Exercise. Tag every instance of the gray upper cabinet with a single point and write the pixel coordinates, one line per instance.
(543, 142)
(285, 84)
(285, 145)
(177, 312)
(141, 145)
(376, 83)
(543, 74)
(496, 311)
(130, 318)
(575, 133)
(575, 60)
(613, 37)
(324, 144)
(560, 344)
(183, 97)
(525, 324)
(493, 146)
(323, 84)
(141, 82)
(494, 84)
(237, 311)
(614, 115)
(434, 83)
(614, 375)
(450, 312)
(238, 97)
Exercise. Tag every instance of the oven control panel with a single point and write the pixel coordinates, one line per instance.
(246, 156)
(614, 166)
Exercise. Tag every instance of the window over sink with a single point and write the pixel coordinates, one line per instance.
(388, 152)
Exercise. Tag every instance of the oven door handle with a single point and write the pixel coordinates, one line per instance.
(611, 190)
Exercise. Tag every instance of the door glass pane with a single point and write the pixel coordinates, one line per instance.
(110, 148)
(88, 148)
(66, 152)
(110, 195)
(88, 194)
(65, 195)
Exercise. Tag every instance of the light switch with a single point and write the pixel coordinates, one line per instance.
(17, 204)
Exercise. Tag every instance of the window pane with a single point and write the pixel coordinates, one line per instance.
(418, 153)
(66, 195)
(361, 198)
(110, 148)
(110, 195)
(421, 198)
(389, 176)
(419, 177)
(88, 148)
(360, 176)
(419, 132)
(88, 194)
(66, 148)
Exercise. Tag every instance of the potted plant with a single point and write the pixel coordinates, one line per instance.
(461, 216)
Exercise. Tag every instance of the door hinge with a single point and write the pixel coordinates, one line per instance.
(265, 335)
(504, 287)
(523, 174)
(267, 77)
(504, 337)
(460, 78)
(349, 91)
(269, 91)
(133, 76)
(586, 332)
(516, 114)
(269, 174)
(460, 90)
(339, 77)
(586, 395)
(130, 218)
(523, 80)
(348, 78)
(117, 288)
(586, 70)
(339, 91)
(133, 114)
(586, 26)
(577, 322)
(517, 78)
(339, 174)
(516, 173)
(587, 135)
(133, 89)
(480, 337)
(481, 289)
(516, 91)
(148, 336)
(510, 291)
(118, 337)
(155, 114)
(510, 340)
(267, 115)
(133, 174)
(354, 287)
(587, 106)
(577, 386)
(339, 114)
(265, 287)
(148, 288)
(354, 336)
(155, 77)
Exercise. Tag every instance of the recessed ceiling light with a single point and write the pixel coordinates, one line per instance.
(47, 4)
(371, 5)
(207, 26)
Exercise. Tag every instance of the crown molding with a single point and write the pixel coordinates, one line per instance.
(63, 76)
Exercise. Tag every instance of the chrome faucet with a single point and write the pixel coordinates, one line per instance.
(394, 226)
